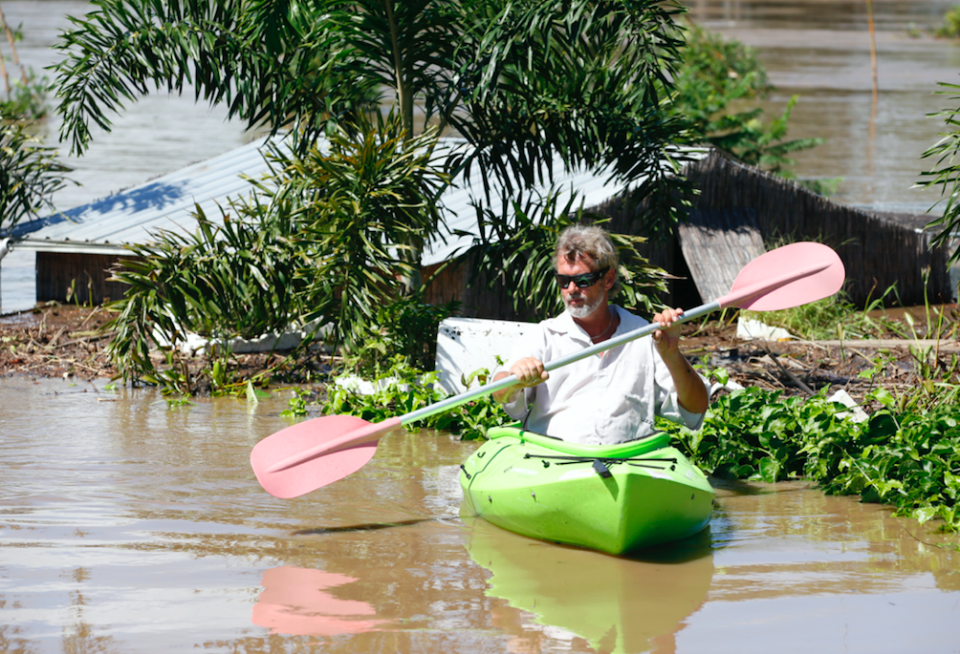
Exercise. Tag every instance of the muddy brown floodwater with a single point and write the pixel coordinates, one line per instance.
(127, 526)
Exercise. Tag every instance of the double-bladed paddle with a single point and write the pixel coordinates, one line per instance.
(317, 452)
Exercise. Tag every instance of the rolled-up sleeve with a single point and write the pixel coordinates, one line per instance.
(668, 402)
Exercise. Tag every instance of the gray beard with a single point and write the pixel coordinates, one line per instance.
(584, 311)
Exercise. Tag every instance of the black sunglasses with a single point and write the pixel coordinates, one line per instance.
(582, 281)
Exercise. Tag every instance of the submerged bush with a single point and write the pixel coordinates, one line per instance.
(323, 242)
(236, 280)
(716, 77)
(950, 28)
(405, 328)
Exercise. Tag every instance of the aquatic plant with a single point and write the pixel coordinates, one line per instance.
(400, 389)
(901, 455)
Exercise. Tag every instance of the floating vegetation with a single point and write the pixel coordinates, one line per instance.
(899, 456)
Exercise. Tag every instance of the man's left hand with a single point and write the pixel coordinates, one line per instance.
(668, 336)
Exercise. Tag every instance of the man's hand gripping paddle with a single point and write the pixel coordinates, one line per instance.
(317, 452)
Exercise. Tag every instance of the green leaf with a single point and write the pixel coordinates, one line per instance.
(925, 513)
(769, 469)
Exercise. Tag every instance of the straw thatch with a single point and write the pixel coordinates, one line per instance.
(877, 251)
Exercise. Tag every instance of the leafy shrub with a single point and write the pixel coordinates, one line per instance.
(364, 209)
(406, 328)
(944, 175)
(950, 28)
(29, 173)
(27, 97)
(221, 282)
(324, 242)
(829, 318)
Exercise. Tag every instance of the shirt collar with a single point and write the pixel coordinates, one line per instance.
(565, 324)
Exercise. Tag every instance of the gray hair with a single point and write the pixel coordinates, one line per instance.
(588, 240)
(579, 240)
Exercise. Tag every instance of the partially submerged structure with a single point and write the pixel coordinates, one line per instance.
(878, 250)
(77, 248)
(738, 209)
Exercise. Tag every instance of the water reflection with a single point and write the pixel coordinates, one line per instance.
(787, 538)
(296, 601)
(615, 604)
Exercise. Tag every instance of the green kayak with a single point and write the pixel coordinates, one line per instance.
(615, 498)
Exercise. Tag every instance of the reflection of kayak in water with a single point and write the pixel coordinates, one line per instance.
(615, 603)
(295, 601)
(614, 498)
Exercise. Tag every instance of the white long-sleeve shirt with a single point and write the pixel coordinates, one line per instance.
(611, 397)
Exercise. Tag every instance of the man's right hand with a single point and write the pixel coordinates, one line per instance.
(528, 371)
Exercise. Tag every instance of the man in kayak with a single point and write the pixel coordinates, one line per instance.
(613, 396)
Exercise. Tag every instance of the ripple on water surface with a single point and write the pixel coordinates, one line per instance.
(126, 526)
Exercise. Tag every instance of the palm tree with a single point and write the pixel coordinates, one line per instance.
(520, 81)
(524, 83)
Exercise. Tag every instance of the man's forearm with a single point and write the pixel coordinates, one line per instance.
(691, 392)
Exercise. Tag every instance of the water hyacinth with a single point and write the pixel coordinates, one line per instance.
(903, 457)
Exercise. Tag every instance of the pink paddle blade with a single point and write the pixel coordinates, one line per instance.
(299, 459)
(787, 277)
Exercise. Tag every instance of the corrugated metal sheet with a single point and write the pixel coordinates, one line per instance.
(129, 216)
(167, 202)
(591, 188)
